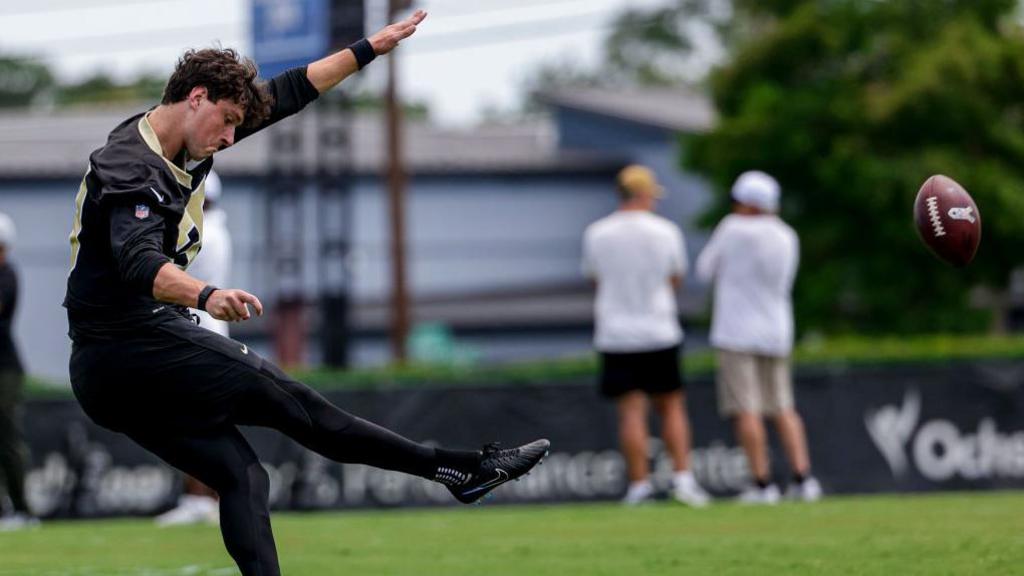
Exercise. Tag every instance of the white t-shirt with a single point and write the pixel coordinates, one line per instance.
(753, 261)
(213, 264)
(632, 255)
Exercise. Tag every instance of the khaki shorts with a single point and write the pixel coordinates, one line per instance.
(753, 383)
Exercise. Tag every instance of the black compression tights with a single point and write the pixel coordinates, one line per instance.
(223, 460)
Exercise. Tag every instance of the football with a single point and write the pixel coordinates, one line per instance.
(947, 219)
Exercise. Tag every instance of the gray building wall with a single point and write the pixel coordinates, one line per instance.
(481, 233)
(466, 234)
(687, 196)
(42, 212)
(659, 148)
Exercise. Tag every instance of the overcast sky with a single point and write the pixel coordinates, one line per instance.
(469, 55)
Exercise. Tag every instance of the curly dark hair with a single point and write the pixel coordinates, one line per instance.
(225, 74)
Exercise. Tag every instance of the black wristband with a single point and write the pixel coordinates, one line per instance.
(204, 295)
(363, 51)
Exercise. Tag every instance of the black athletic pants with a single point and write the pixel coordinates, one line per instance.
(181, 391)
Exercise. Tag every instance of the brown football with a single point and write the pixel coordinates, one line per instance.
(948, 220)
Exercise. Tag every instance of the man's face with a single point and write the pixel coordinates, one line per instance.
(210, 126)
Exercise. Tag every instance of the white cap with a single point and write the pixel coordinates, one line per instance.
(757, 189)
(7, 231)
(212, 187)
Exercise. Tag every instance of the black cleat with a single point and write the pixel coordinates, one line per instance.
(498, 466)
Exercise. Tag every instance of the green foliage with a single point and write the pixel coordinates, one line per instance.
(852, 105)
(22, 81)
(834, 352)
(101, 89)
(364, 101)
(644, 45)
(837, 351)
(671, 44)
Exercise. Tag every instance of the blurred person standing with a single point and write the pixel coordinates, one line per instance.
(213, 265)
(12, 445)
(637, 261)
(752, 259)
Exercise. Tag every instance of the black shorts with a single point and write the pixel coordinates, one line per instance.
(654, 372)
(174, 376)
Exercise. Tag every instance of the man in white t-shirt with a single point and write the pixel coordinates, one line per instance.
(752, 258)
(637, 260)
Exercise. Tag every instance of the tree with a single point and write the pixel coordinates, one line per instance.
(852, 105)
(100, 88)
(677, 43)
(22, 81)
(672, 44)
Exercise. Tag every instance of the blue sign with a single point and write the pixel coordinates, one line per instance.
(288, 33)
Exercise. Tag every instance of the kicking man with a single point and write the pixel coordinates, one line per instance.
(140, 366)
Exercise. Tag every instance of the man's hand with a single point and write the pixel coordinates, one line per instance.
(232, 305)
(388, 38)
(327, 72)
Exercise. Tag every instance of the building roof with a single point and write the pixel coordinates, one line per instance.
(57, 143)
(677, 108)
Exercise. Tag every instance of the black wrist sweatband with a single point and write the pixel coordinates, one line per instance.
(363, 51)
(204, 295)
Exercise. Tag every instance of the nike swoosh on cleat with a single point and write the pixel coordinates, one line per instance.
(245, 349)
(501, 478)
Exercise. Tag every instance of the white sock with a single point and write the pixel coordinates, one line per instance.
(640, 488)
(683, 478)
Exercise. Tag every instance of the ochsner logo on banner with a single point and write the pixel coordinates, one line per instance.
(939, 450)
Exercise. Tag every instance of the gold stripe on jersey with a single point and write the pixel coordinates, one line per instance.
(190, 228)
(149, 135)
(76, 226)
(192, 219)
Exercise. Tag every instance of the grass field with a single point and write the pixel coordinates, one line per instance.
(943, 534)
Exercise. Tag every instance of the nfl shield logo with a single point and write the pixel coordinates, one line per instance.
(141, 211)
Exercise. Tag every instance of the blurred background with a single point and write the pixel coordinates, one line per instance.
(511, 123)
(430, 211)
(514, 123)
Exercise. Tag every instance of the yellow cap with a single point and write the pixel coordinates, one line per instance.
(639, 180)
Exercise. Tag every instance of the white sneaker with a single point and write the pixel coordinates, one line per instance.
(18, 521)
(191, 509)
(769, 495)
(807, 491)
(690, 493)
(638, 493)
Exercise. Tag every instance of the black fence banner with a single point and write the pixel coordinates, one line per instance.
(888, 429)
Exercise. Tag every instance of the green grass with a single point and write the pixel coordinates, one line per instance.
(845, 350)
(965, 533)
(834, 351)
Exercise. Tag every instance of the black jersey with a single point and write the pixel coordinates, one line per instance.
(136, 211)
(8, 304)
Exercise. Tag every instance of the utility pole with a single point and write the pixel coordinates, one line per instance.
(334, 225)
(396, 204)
(335, 173)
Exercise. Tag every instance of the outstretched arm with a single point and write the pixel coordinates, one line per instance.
(328, 72)
(292, 90)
